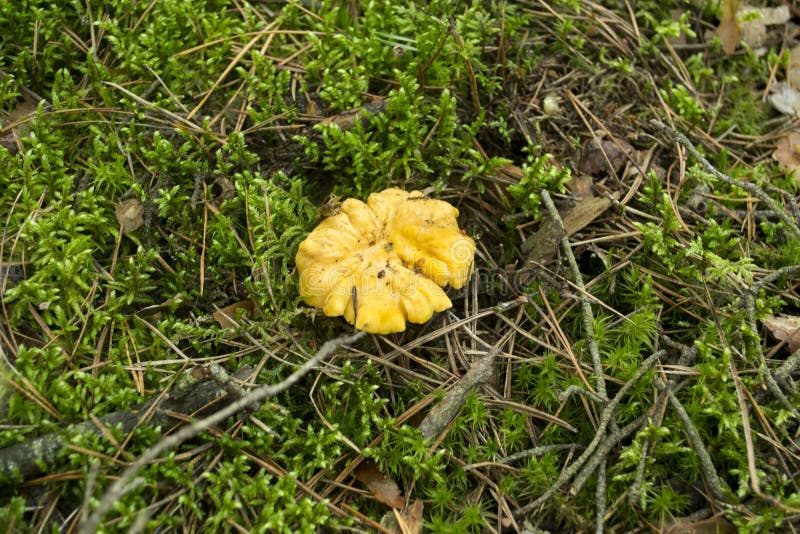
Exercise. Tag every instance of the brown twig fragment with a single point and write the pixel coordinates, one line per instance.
(446, 410)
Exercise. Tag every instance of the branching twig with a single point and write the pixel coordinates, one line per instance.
(605, 419)
(193, 392)
(120, 486)
(746, 186)
(599, 456)
(577, 390)
(588, 326)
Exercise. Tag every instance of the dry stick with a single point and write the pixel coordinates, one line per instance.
(605, 419)
(586, 307)
(120, 486)
(600, 493)
(596, 461)
(773, 277)
(635, 491)
(446, 410)
(191, 394)
(706, 464)
(536, 451)
(750, 188)
(772, 383)
(588, 326)
(785, 370)
(575, 389)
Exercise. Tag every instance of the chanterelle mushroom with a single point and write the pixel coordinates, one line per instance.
(381, 263)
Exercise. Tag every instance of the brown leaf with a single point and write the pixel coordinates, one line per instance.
(581, 186)
(729, 31)
(713, 525)
(21, 111)
(408, 521)
(543, 244)
(785, 328)
(382, 487)
(347, 119)
(787, 153)
(599, 153)
(226, 316)
(129, 214)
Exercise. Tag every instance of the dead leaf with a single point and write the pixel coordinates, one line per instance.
(748, 24)
(382, 487)
(729, 31)
(787, 153)
(784, 98)
(21, 111)
(581, 186)
(408, 521)
(713, 525)
(129, 215)
(599, 153)
(542, 245)
(347, 119)
(785, 328)
(227, 315)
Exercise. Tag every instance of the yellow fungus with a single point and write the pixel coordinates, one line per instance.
(384, 262)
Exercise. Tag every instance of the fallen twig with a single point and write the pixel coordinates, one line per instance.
(121, 485)
(588, 327)
(746, 186)
(195, 392)
(443, 413)
(706, 464)
(605, 420)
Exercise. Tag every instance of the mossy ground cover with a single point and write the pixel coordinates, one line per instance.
(635, 386)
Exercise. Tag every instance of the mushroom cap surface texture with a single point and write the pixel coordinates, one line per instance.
(384, 262)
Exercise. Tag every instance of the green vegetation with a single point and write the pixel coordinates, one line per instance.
(224, 126)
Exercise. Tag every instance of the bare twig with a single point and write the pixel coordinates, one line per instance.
(600, 434)
(706, 464)
(753, 189)
(597, 460)
(586, 307)
(193, 392)
(443, 413)
(121, 485)
(536, 451)
(588, 327)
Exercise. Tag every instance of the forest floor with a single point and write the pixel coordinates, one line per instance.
(623, 357)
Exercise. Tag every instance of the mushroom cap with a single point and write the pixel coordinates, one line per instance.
(384, 262)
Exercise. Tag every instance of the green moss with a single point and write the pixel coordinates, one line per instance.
(162, 103)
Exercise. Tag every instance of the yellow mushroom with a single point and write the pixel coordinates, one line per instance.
(384, 262)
